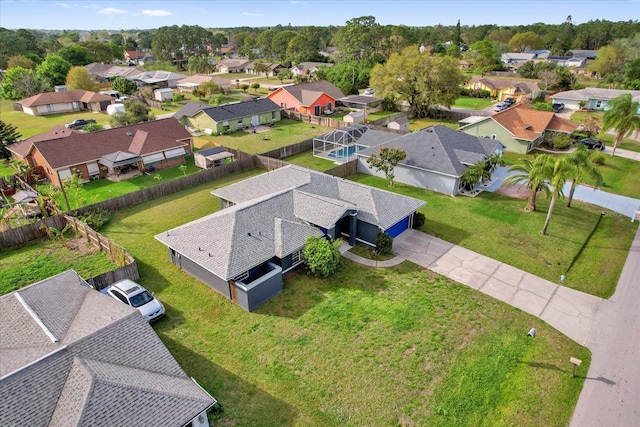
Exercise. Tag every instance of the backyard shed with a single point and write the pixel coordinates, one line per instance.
(212, 157)
(164, 94)
(354, 118)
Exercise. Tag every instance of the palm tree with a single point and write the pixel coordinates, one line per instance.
(622, 117)
(495, 160)
(581, 167)
(533, 175)
(199, 64)
(472, 176)
(558, 170)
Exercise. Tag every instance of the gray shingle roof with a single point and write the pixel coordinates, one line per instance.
(439, 149)
(241, 109)
(270, 214)
(190, 109)
(306, 93)
(107, 368)
(596, 93)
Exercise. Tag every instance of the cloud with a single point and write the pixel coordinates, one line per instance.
(250, 14)
(63, 4)
(149, 12)
(112, 11)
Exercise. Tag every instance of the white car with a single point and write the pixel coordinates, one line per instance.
(135, 295)
(369, 92)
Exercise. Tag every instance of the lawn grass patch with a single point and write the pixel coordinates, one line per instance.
(473, 103)
(308, 160)
(421, 123)
(42, 258)
(497, 226)
(625, 144)
(370, 253)
(366, 347)
(285, 132)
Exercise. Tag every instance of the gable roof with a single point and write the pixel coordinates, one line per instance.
(141, 138)
(21, 148)
(271, 216)
(589, 93)
(527, 124)
(437, 148)
(310, 65)
(190, 109)
(522, 86)
(307, 93)
(88, 359)
(241, 109)
(203, 78)
(157, 76)
(233, 63)
(77, 95)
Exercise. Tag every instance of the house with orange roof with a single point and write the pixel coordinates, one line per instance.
(520, 128)
(65, 102)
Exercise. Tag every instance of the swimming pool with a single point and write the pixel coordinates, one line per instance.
(345, 152)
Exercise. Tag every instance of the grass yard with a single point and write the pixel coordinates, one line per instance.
(102, 189)
(285, 132)
(28, 125)
(367, 347)
(625, 144)
(39, 259)
(308, 160)
(497, 226)
(417, 124)
(473, 103)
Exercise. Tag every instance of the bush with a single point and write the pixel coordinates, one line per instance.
(95, 218)
(178, 97)
(321, 256)
(418, 220)
(561, 142)
(598, 159)
(384, 244)
(542, 106)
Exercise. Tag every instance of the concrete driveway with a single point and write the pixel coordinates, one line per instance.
(569, 311)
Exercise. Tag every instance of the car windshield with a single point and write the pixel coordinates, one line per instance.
(140, 299)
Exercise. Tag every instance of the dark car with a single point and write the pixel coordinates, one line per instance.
(79, 123)
(509, 101)
(557, 107)
(592, 143)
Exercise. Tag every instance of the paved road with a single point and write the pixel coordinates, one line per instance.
(611, 393)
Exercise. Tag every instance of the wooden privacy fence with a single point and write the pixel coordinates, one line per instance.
(290, 150)
(36, 230)
(344, 170)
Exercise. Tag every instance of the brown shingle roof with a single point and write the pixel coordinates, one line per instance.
(524, 123)
(145, 138)
(22, 148)
(47, 98)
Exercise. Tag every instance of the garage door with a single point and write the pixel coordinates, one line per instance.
(397, 229)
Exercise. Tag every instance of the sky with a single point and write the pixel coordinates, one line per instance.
(124, 15)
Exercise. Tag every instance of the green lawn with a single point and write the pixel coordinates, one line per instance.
(498, 227)
(284, 132)
(417, 124)
(473, 103)
(39, 259)
(626, 144)
(28, 125)
(308, 160)
(397, 346)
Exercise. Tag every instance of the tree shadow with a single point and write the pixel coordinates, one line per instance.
(444, 231)
(242, 403)
(607, 381)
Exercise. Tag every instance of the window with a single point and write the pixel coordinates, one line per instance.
(119, 296)
(296, 257)
(283, 105)
(599, 103)
(493, 136)
(274, 116)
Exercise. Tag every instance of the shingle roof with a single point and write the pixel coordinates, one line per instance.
(190, 109)
(522, 86)
(596, 93)
(149, 137)
(21, 148)
(151, 77)
(202, 78)
(241, 109)
(271, 214)
(78, 95)
(306, 93)
(107, 367)
(527, 124)
(439, 149)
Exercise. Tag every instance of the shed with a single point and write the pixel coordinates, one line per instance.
(212, 157)
(399, 124)
(164, 94)
(115, 108)
(354, 118)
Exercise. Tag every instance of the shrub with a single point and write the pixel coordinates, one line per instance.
(384, 244)
(542, 106)
(178, 97)
(418, 220)
(561, 142)
(321, 256)
(95, 218)
(598, 159)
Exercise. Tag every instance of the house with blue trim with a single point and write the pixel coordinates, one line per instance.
(244, 250)
(592, 98)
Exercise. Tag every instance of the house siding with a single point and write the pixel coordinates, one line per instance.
(367, 232)
(266, 286)
(488, 128)
(202, 121)
(200, 273)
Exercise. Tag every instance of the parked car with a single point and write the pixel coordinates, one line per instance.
(509, 101)
(557, 107)
(592, 143)
(135, 295)
(79, 123)
(501, 106)
(368, 91)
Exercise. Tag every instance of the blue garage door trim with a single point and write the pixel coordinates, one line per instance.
(397, 229)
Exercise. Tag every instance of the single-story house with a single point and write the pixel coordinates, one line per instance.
(117, 153)
(592, 98)
(436, 156)
(520, 128)
(243, 250)
(159, 78)
(212, 157)
(401, 124)
(568, 61)
(273, 68)
(229, 117)
(70, 355)
(163, 94)
(228, 65)
(65, 102)
(189, 84)
(315, 98)
(501, 89)
(308, 68)
(515, 59)
(132, 56)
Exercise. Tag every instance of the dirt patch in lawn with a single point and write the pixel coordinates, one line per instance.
(80, 245)
(517, 191)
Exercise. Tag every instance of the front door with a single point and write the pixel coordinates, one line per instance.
(316, 110)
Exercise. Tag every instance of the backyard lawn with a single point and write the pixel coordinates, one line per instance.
(473, 103)
(397, 346)
(417, 124)
(497, 226)
(285, 132)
